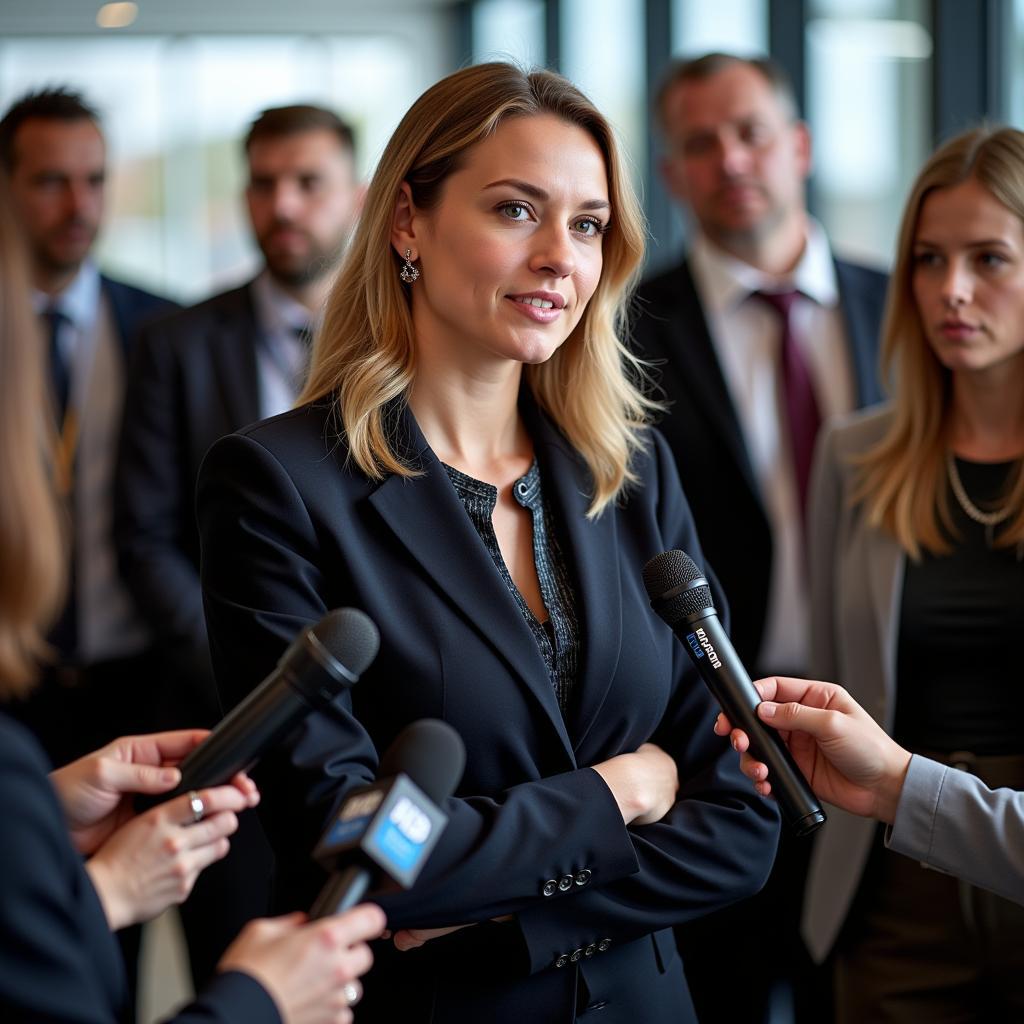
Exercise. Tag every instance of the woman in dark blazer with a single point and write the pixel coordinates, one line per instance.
(471, 467)
(75, 862)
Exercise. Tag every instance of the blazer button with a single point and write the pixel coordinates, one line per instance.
(604, 945)
(550, 887)
(565, 883)
(584, 876)
(562, 960)
(590, 950)
(576, 955)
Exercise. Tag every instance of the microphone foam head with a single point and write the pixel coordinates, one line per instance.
(431, 753)
(351, 637)
(676, 586)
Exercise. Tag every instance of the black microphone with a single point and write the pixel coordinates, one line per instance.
(321, 662)
(391, 827)
(680, 595)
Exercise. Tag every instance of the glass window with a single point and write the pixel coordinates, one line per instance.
(735, 26)
(1014, 84)
(602, 51)
(175, 109)
(869, 108)
(509, 30)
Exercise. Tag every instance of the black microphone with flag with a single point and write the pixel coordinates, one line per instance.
(681, 596)
(321, 662)
(390, 828)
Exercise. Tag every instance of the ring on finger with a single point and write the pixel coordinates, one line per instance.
(195, 801)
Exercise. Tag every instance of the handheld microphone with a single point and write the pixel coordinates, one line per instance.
(391, 827)
(680, 595)
(319, 664)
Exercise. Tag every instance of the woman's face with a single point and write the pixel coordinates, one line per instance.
(511, 254)
(968, 277)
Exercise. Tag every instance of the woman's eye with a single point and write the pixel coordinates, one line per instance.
(589, 226)
(992, 260)
(515, 211)
(926, 259)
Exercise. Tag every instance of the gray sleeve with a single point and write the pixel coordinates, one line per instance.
(954, 822)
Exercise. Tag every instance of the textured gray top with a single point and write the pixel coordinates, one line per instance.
(558, 637)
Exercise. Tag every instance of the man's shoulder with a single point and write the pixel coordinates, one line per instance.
(863, 275)
(665, 285)
(230, 309)
(132, 296)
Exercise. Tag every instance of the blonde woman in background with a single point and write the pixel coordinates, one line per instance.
(918, 589)
(470, 465)
(58, 957)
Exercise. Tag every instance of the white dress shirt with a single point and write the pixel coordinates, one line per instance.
(108, 625)
(747, 335)
(281, 357)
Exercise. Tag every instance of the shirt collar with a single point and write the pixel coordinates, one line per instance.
(276, 310)
(79, 301)
(726, 281)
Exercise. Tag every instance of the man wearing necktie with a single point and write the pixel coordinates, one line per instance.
(101, 684)
(760, 334)
(213, 368)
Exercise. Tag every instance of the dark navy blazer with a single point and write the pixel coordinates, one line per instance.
(703, 429)
(59, 961)
(290, 529)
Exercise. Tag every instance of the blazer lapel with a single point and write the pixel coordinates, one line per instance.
(594, 553)
(427, 517)
(700, 374)
(861, 332)
(886, 565)
(233, 342)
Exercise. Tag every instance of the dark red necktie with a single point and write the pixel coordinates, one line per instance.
(803, 417)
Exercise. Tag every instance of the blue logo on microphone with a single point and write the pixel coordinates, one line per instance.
(691, 639)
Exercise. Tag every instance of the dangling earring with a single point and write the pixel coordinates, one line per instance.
(408, 273)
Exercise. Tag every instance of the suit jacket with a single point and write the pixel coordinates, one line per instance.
(59, 961)
(133, 308)
(290, 529)
(856, 588)
(953, 821)
(703, 429)
(193, 378)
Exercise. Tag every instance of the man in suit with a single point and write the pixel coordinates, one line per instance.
(100, 684)
(206, 371)
(53, 153)
(759, 335)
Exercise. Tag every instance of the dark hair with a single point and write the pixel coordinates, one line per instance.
(699, 69)
(54, 104)
(274, 122)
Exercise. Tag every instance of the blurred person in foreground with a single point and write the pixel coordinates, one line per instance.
(936, 814)
(470, 464)
(199, 374)
(59, 961)
(917, 586)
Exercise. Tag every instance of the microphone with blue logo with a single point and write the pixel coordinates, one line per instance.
(681, 597)
(390, 828)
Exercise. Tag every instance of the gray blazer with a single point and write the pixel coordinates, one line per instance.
(954, 822)
(856, 586)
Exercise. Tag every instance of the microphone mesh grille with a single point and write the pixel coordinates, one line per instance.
(351, 636)
(669, 571)
(431, 753)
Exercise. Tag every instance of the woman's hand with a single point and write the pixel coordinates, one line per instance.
(309, 970)
(94, 790)
(153, 860)
(845, 755)
(643, 783)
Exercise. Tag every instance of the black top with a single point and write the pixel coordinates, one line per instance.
(960, 671)
(558, 636)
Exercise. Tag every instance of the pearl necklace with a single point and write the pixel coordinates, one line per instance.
(989, 520)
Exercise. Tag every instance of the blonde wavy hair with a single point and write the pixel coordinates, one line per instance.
(902, 479)
(31, 537)
(364, 356)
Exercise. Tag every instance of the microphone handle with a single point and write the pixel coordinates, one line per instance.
(343, 890)
(734, 690)
(258, 724)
